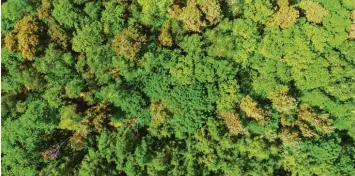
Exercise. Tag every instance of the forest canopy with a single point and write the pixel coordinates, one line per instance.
(178, 87)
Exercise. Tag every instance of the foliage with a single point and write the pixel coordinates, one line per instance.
(178, 87)
(314, 11)
(286, 16)
(128, 43)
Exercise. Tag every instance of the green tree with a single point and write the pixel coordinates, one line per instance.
(12, 11)
(66, 13)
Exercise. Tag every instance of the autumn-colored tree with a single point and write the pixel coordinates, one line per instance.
(96, 116)
(249, 106)
(159, 113)
(165, 37)
(314, 11)
(233, 123)
(322, 123)
(128, 43)
(10, 41)
(197, 14)
(44, 10)
(29, 31)
(58, 35)
(177, 87)
(282, 102)
(286, 16)
(289, 137)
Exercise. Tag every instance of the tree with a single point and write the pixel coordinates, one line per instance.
(258, 10)
(128, 43)
(178, 87)
(352, 30)
(112, 17)
(233, 123)
(56, 70)
(66, 13)
(154, 13)
(28, 31)
(322, 123)
(23, 136)
(45, 9)
(191, 15)
(281, 102)
(286, 16)
(314, 11)
(10, 41)
(12, 11)
(324, 157)
(58, 35)
(165, 37)
(87, 37)
(249, 106)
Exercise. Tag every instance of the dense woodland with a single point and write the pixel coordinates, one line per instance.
(178, 87)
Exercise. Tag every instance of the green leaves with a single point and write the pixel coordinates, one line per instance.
(12, 11)
(66, 13)
(87, 37)
(178, 87)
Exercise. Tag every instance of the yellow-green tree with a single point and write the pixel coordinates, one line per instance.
(286, 16)
(233, 123)
(314, 11)
(128, 43)
(197, 14)
(249, 107)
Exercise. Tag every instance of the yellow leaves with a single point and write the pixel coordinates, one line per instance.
(165, 37)
(128, 43)
(322, 123)
(282, 3)
(249, 106)
(28, 36)
(289, 137)
(281, 102)
(10, 41)
(286, 16)
(25, 37)
(77, 141)
(116, 124)
(308, 123)
(96, 116)
(314, 11)
(233, 123)
(44, 10)
(284, 121)
(197, 14)
(190, 16)
(57, 34)
(211, 9)
(159, 113)
(305, 129)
